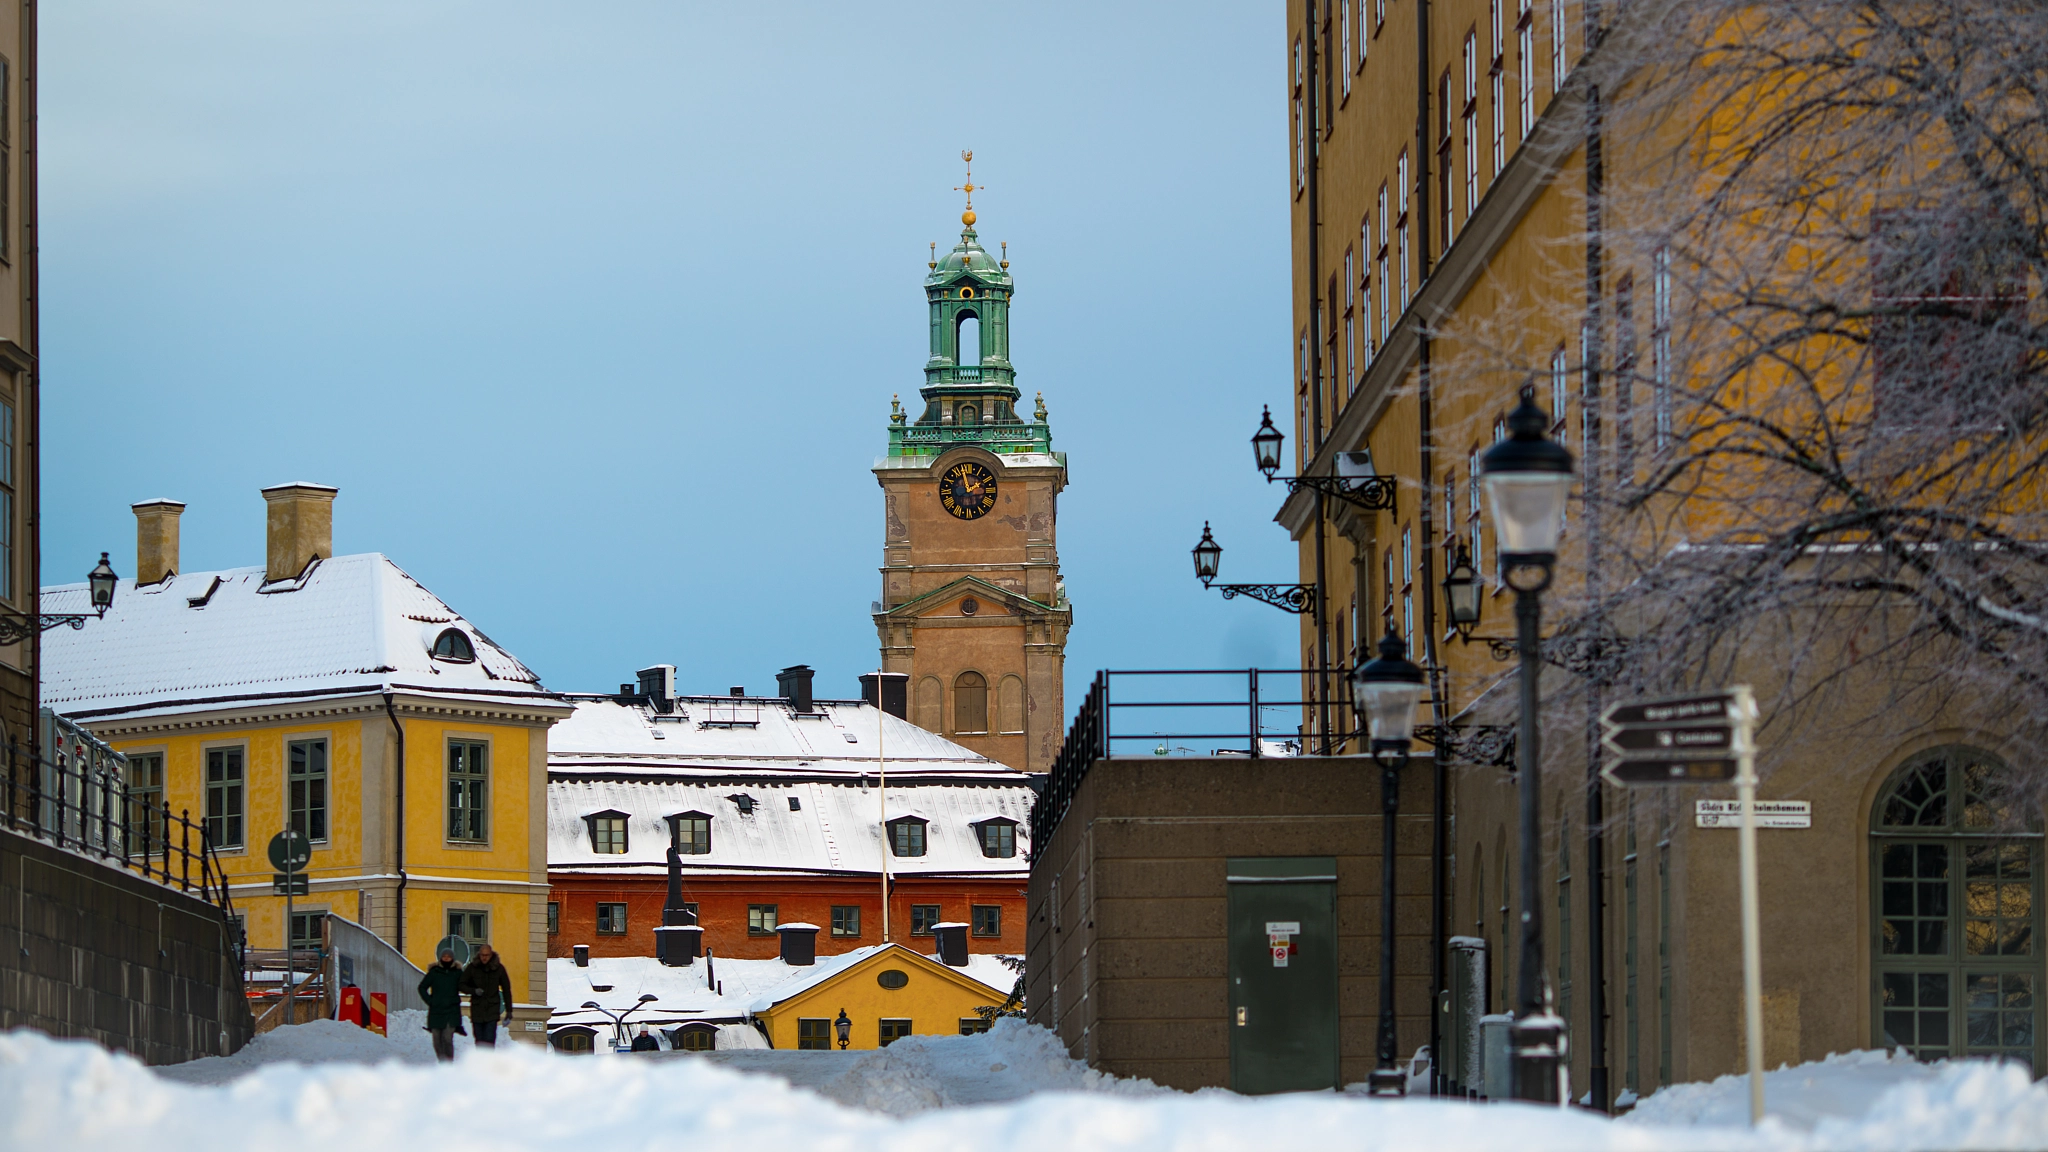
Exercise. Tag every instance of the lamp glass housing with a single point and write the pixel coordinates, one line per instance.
(1386, 690)
(1266, 445)
(1528, 510)
(102, 581)
(1208, 556)
(1461, 590)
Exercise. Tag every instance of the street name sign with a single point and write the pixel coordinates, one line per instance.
(1769, 813)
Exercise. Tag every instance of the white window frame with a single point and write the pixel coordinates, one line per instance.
(1525, 53)
(1498, 73)
(1471, 123)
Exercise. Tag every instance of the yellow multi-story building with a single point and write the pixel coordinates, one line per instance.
(336, 696)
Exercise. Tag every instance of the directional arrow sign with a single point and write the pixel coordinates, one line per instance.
(1674, 710)
(1625, 772)
(1653, 740)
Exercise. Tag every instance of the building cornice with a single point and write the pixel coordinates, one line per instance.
(260, 713)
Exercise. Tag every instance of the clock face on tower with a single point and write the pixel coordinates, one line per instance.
(967, 490)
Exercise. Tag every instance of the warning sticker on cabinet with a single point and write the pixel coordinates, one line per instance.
(1280, 936)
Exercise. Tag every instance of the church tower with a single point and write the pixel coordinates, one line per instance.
(972, 607)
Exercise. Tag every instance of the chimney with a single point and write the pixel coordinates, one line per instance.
(582, 954)
(952, 940)
(301, 528)
(156, 539)
(795, 685)
(889, 691)
(658, 684)
(800, 944)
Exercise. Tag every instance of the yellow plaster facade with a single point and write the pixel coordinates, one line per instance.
(934, 999)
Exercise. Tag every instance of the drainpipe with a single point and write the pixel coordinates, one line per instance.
(1313, 97)
(1596, 816)
(1425, 432)
(398, 852)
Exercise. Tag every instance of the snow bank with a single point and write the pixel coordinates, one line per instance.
(61, 1095)
(318, 1042)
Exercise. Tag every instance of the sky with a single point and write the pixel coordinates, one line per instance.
(593, 312)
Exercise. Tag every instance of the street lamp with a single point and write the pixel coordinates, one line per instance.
(1461, 592)
(1266, 444)
(844, 1027)
(1299, 599)
(1385, 692)
(102, 580)
(618, 1019)
(1527, 478)
(1354, 480)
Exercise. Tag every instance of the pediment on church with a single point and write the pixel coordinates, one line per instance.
(969, 596)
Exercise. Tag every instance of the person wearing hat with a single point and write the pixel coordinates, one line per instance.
(490, 994)
(441, 989)
(645, 1042)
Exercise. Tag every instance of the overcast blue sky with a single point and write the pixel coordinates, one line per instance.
(593, 311)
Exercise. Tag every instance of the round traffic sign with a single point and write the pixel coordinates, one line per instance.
(290, 851)
(455, 944)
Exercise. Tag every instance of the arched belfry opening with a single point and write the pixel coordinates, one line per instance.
(967, 338)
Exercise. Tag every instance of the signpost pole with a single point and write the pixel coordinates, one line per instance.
(1752, 949)
(291, 992)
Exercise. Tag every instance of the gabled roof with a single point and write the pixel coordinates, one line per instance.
(837, 827)
(202, 641)
(829, 969)
(725, 736)
(682, 994)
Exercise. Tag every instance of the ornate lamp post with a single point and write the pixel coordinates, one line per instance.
(1385, 692)
(1296, 598)
(100, 582)
(1527, 478)
(1356, 481)
(844, 1027)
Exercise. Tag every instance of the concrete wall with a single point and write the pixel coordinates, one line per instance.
(91, 950)
(1127, 933)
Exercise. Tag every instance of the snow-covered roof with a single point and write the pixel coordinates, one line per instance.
(682, 995)
(724, 734)
(836, 826)
(213, 640)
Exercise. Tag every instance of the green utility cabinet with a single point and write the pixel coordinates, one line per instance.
(1283, 973)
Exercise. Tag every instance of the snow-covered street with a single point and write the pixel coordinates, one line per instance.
(328, 1086)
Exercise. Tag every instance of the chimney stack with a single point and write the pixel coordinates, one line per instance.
(658, 684)
(301, 528)
(799, 944)
(156, 539)
(952, 941)
(889, 691)
(582, 954)
(795, 685)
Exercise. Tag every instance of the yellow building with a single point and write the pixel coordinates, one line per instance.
(886, 991)
(339, 696)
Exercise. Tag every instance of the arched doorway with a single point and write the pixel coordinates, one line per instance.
(1956, 894)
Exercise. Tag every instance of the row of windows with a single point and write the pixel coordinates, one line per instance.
(1382, 254)
(306, 793)
(971, 702)
(763, 919)
(690, 833)
(815, 1032)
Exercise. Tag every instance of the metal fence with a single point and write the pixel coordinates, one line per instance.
(1249, 712)
(73, 791)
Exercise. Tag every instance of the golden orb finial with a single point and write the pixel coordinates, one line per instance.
(967, 217)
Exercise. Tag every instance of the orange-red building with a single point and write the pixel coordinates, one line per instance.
(777, 810)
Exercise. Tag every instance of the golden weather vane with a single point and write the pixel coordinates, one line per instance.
(967, 158)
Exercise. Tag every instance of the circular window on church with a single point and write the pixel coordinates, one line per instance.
(967, 293)
(892, 978)
(970, 606)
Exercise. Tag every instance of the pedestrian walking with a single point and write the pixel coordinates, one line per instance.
(490, 994)
(441, 989)
(644, 1042)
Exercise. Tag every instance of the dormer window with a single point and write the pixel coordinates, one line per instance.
(453, 646)
(906, 836)
(607, 833)
(690, 832)
(743, 802)
(998, 838)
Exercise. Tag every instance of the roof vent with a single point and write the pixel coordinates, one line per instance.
(889, 691)
(743, 802)
(794, 683)
(658, 684)
(738, 690)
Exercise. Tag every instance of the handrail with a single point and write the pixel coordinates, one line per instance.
(73, 791)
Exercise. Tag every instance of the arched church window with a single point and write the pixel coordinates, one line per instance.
(931, 704)
(1011, 700)
(968, 416)
(968, 335)
(970, 703)
(1956, 892)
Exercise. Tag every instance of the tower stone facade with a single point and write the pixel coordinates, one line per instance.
(972, 607)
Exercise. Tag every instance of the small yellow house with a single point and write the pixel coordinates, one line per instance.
(887, 992)
(338, 696)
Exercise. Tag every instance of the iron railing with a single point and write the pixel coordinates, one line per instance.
(75, 794)
(1195, 712)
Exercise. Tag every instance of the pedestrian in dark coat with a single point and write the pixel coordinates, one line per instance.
(644, 1042)
(441, 989)
(490, 994)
